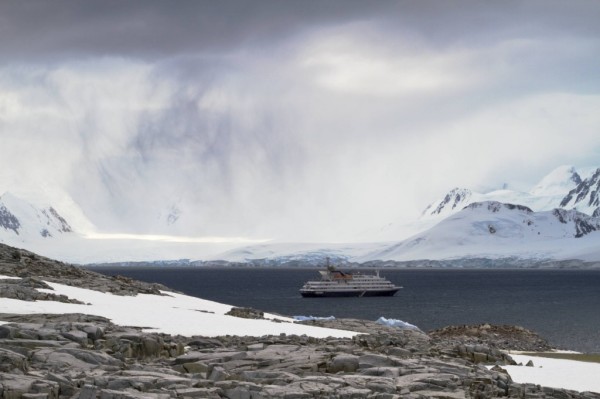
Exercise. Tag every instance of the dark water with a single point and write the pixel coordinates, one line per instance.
(562, 306)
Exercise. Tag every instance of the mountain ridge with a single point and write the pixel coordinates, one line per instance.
(464, 224)
(561, 188)
(494, 229)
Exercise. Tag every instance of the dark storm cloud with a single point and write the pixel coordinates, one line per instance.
(43, 29)
(52, 30)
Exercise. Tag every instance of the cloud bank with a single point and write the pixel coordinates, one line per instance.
(285, 120)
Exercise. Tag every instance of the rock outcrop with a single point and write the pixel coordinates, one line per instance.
(21, 263)
(79, 356)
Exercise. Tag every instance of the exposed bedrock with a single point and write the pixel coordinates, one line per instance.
(79, 356)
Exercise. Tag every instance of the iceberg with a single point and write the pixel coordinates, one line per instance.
(396, 323)
(310, 318)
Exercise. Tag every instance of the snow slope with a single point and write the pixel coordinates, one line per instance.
(493, 229)
(546, 195)
(20, 221)
(555, 373)
(308, 253)
(171, 314)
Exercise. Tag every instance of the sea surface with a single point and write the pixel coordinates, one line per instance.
(561, 305)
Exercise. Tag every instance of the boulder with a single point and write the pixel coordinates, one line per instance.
(374, 360)
(246, 313)
(131, 394)
(81, 337)
(343, 363)
(88, 392)
(218, 374)
(195, 367)
(10, 361)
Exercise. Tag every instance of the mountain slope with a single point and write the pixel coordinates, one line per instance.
(563, 187)
(20, 221)
(494, 229)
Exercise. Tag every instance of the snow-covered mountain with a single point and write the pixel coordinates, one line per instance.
(561, 188)
(488, 229)
(558, 182)
(493, 229)
(547, 194)
(546, 222)
(20, 221)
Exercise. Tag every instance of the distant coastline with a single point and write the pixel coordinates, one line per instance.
(465, 263)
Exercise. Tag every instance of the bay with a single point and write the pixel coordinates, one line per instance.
(561, 305)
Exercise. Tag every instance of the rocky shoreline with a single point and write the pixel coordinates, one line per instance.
(84, 356)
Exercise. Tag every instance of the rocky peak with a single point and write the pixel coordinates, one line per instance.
(9, 221)
(586, 196)
(584, 224)
(455, 198)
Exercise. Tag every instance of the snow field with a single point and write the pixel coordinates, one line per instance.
(171, 314)
(556, 373)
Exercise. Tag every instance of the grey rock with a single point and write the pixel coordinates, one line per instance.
(198, 392)
(278, 391)
(35, 396)
(246, 313)
(88, 392)
(443, 394)
(399, 352)
(72, 358)
(343, 363)
(78, 336)
(218, 374)
(91, 357)
(239, 392)
(256, 347)
(15, 386)
(94, 332)
(203, 342)
(10, 360)
(7, 331)
(196, 367)
(31, 343)
(374, 360)
(131, 394)
(268, 376)
(390, 372)
(384, 385)
(353, 393)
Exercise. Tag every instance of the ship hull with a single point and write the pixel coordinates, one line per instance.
(351, 293)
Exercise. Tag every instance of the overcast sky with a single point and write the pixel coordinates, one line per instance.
(294, 120)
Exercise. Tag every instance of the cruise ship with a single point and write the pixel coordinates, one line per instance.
(335, 283)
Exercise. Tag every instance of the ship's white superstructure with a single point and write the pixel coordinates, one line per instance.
(335, 283)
